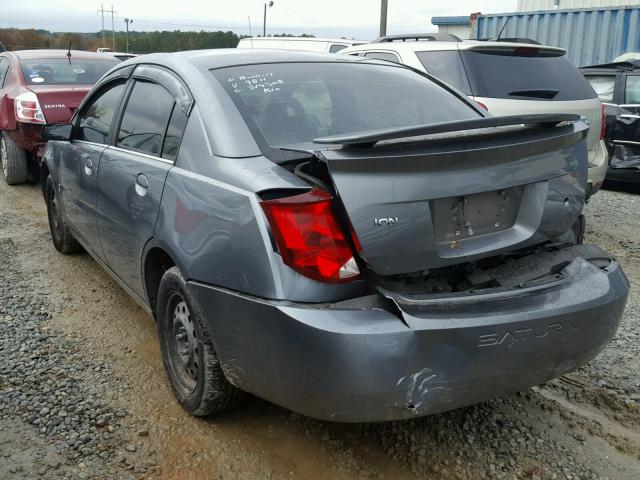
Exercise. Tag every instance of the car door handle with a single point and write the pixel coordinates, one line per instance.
(628, 115)
(88, 167)
(142, 184)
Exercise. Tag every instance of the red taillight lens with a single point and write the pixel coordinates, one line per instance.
(28, 108)
(603, 122)
(482, 105)
(309, 237)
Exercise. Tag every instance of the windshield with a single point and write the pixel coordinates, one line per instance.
(288, 104)
(61, 71)
(527, 76)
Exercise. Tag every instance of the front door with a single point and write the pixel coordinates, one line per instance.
(81, 159)
(131, 178)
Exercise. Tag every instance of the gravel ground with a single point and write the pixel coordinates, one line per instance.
(83, 394)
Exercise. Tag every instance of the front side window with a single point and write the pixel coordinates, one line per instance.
(145, 118)
(603, 85)
(63, 71)
(291, 104)
(97, 116)
(632, 90)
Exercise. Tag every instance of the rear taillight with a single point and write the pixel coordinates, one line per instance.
(482, 105)
(28, 108)
(603, 122)
(309, 238)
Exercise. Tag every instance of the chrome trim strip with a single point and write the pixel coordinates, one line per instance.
(146, 155)
(84, 142)
(630, 105)
(626, 142)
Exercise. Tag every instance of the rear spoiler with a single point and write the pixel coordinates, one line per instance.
(371, 137)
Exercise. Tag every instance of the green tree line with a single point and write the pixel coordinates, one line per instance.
(139, 42)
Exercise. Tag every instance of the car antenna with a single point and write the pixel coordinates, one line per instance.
(503, 27)
(69, 53)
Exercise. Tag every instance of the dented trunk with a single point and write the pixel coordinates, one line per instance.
(429, 204)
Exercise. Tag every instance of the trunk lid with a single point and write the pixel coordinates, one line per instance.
(59, 102)
(455, 197)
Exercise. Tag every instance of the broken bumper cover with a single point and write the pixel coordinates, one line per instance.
(362, 363)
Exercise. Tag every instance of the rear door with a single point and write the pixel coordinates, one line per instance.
(626, 136)
(132, 173)
(81, 158)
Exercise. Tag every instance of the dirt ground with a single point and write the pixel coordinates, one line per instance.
(582, 426)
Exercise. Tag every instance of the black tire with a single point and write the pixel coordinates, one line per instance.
(188, 354)
(61, 236)
(13, 161)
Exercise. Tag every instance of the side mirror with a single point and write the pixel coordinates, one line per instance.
(56, 131)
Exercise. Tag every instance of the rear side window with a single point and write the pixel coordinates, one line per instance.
(388, 56)
(145, 118)
(603, 86)
(97, 116)
(446, 66)
(4, 69)
(336, 47)
(524, 75)
(632, 90)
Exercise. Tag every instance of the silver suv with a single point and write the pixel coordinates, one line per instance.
(506, 79)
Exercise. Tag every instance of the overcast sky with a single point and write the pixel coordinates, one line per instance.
(333, 18)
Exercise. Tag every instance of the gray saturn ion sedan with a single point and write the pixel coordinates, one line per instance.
(345, 237)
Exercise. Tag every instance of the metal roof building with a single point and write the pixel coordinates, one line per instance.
(590, 35)
(458, 26)
(536, 5)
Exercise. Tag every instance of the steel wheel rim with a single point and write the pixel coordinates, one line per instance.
(183, 344)
(3, 157)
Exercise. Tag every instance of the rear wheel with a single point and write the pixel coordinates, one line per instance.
(188, 354)
(61, 236)
(13, 160)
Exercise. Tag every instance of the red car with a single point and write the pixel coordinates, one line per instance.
(38, 87)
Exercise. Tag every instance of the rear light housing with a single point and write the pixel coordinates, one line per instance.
(309, 237)
(482, 105)
(603, 122)
(28, 108)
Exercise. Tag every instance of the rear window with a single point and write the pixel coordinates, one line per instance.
(524, 76)
(291, 104)
(62, 71)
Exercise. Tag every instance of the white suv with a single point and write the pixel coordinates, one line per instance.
(506, 79)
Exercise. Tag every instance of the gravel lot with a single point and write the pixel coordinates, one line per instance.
(83, 393)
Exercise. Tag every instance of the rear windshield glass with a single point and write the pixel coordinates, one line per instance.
(528, 76)
(292, 103)
(61, 71)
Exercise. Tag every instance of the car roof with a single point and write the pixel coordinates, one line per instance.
(422, 45)
(230, 57)
(304, 39)
(619, 66)
(52, 53)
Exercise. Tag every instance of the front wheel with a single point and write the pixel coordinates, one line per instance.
(188, 354)
(61, 236)
(13, 160)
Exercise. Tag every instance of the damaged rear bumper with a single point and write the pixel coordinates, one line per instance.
(356, 361)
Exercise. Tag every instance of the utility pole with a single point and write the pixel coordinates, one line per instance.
(383, 17)
(264, 23)
(127, 21)
(101, 12)
(113, 32)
